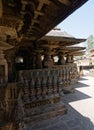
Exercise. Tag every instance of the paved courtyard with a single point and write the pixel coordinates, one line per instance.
(80, 106)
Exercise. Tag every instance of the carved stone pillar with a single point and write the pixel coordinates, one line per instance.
(33, 60)
(61, 60)
(3, 67)
(38, 61)
(48, 61)
(68, 59)
(72, 59)
(10, 57)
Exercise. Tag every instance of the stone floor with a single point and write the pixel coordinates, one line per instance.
(80, 106)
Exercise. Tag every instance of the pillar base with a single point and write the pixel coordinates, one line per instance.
(44, 112)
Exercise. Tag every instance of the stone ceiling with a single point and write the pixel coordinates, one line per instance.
(32, 19)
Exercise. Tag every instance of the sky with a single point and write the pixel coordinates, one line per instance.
(80, 24)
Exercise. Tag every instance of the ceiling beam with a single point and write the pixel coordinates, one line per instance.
(1, 8)
(65, 2)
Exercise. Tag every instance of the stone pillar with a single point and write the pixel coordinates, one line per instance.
(38, 60)
(61, 60)
(72, 59)
(48, 61)
(68, 58)
(10, 57)
(33, 60)
(3, 81)
(3, 67)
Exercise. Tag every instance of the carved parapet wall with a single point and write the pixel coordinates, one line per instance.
(10, 101)
(39, 96)
(3, 68)
(3, 113)
(40, 84)
(69, 73)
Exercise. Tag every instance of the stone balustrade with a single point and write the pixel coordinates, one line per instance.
(37, 88)
(41, 83)
(69, 76)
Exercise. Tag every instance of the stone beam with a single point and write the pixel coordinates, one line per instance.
(35, 21)
(1, 8)
(37, 13)
(65, 2)
(35, 28)
(41, 4)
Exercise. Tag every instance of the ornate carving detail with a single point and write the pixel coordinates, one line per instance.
(10, 21)
(42, 102)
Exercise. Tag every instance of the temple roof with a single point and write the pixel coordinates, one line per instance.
(78, 53)
(56, 36)
(56, 32)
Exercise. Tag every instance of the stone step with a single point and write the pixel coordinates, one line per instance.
(47, 112)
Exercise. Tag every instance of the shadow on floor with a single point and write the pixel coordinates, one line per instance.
(73, 120)
(81, 78)
(76, 96)
(79, 84)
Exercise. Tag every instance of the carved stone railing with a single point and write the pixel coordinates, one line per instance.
(70, 76)
(74, 74)
(11, 95)
(3, 113)
(9, 98)
(41, 83)
(69, 73)
(44, 83)
(36, 88)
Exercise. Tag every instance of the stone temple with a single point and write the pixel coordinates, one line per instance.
(36, 64)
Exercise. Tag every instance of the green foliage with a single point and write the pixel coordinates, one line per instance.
(90, 42)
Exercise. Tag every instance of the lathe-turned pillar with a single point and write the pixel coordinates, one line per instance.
(10, 57)
(61, 60)
(3, 68)
(72, 59)
(67, 72)
(48, 61)
(36, 59)
(68, 58)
